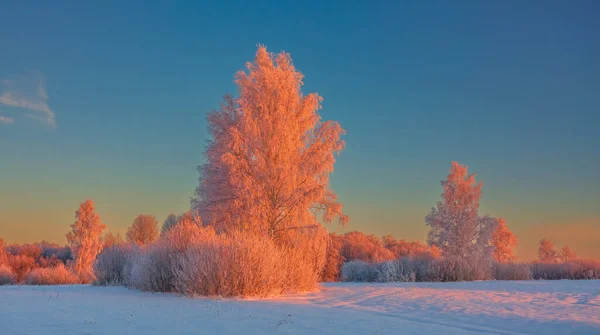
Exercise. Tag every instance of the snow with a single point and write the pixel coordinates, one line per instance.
(526, 307)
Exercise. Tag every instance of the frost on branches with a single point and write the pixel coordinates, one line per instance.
(504, 242)
(143, 230)
(85, 240)
(270, 157)
(456, 227)
(546, 252)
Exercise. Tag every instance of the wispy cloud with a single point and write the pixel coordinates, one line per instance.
(6, 120)
(28, 93)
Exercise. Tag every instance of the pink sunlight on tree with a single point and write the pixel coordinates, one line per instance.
(271, 155)
(85, 240)
(546, 252)
(566, 255)
(504, 242)
(111, 239)
(456, 227)
(187, 232)
(3, 255)
(144, 230)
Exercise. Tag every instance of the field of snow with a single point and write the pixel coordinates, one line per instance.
(529, 307)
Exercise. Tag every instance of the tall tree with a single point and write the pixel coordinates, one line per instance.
(169, 223)
(271, 155)
(85, 239)
(144, 230)
(546, 252)
(566, 254)
(456, 227)
(504, 242)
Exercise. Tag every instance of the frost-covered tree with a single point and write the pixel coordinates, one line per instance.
(546, 252)
(144, 230)
(504, 242)
(456, 227)
(169, 223)
(270, 156)
(85, 240)
(3, 254)
(188, 231)
(566, 254)
(111, 239)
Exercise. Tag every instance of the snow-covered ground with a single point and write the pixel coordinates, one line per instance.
(530, 307)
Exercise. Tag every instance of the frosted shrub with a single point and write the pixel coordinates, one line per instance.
(304, 254)
(246, 264)
(58, 275)
(7, 276)
(110, 265)
(150, 269)
(450, 269)
(399, 270)
(334, 259)
(512, 271)
(576, 269)
(235, 264)
(359, 271)
(188, 232)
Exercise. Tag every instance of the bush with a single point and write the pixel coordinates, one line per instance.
(150, 269)
(400, 270)
(110, 265)
(359, 271)
(512, 271)
(450, 269)
(58, 275)
(245, 264)
(334, 259)
(576, 269)
(421, 267)
(7, 276)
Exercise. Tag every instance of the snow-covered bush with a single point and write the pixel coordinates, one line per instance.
(188, 231)
(150, 269)
(576, 269)
(333, 260)
(231, 265)
(246, 264)
(110, 265)
(359, 271)
(399, 270)
(450, 269)
(512, 271)
(7, 276)
(58, 275)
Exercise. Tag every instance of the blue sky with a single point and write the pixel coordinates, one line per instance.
(511, 89)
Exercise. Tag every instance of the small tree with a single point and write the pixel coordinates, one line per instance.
(85, 241)
(3, 254)
(144, 230)
(188, 231)
(503, 241)
(456, 227)
(546, 252)
(111, 239)
(270, 156)
(169, 223)
(334, 259)
(566, 254)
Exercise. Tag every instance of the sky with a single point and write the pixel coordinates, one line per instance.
(108, 102)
